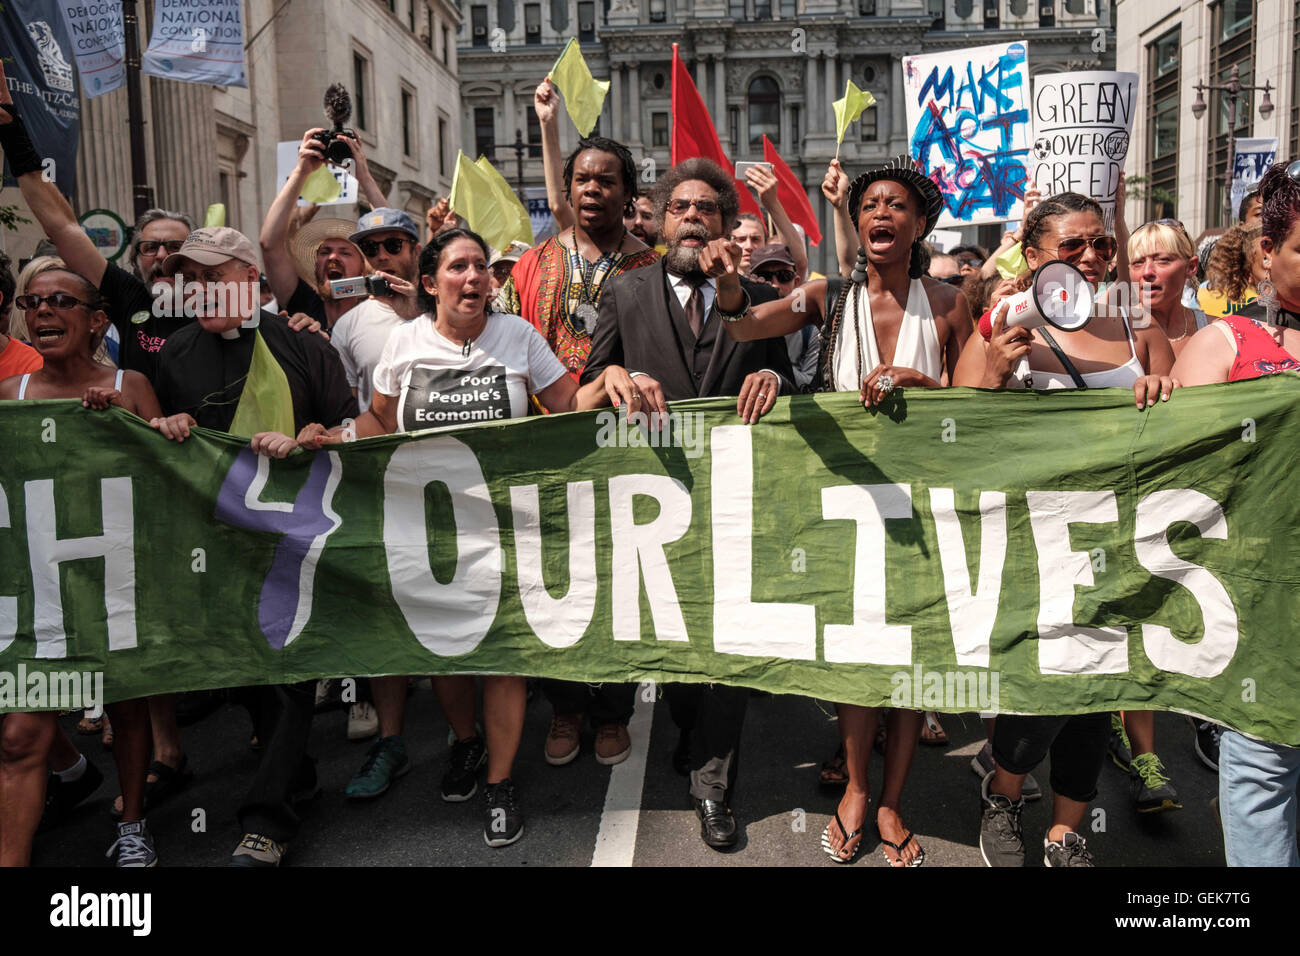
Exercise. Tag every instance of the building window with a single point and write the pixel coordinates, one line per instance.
(1162, 123)
(867, 125)
(410, 15)
(733, 127)
(789, 9)
(938, 14)
(442, 146)
(866, 8)
(658, 11)
(762, 9)
(963, 8)
(794, 127)
(1234, 45)
(360, 90)
(446, 47)
(1236, 16)
(660, 81)
(478, 15)
(506, 15)
(560, 16)
(533, 23)
(659, 129)
(534, 135)
(764, 112)
(1018, 8)
(1076, 7)
(1295, 85)
(586, 21)
(409, 143)
(991, 14)
(485, 132)
(1047, 13)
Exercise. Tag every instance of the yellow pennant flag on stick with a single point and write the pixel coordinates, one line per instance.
(489, 205)
(849, 109)
(584, 95)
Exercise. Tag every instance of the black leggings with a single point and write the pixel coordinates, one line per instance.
(1077, 743)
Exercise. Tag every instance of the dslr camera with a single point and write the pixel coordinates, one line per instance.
(338, 109)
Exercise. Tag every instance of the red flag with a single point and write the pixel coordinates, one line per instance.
(791, 193)
(694, 133)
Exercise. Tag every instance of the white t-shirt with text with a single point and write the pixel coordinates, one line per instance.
(360, 336)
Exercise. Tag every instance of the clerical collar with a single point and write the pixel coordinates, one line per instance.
(230, 333)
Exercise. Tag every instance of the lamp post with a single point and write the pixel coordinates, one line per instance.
(520, 147)
(1232, 90)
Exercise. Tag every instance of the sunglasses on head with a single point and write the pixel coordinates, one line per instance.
(1074, 246)
(1293, 171)
(780, 275)
(59, 300)
(678, 207)
(150, 246)
(393, 245)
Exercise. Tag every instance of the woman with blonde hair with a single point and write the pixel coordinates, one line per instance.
(18, 323)
(1161, 260)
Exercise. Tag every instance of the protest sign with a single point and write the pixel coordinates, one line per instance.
(43, 86)
(1088, 556)
(98, 43)
(539, 212)
(198, 41)
(968, 123)
(1082, 123)
(286, 158)
(1250, 161)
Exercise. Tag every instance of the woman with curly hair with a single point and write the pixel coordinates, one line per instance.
(1233, 272)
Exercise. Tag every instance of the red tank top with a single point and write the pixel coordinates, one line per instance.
(1257, 352)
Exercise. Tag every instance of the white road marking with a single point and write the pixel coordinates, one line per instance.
(616, 840)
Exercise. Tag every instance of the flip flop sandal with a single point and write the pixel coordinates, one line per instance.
(107, 737)
(898, 848)
(936, 736)
(834, 773)
(88, 726)
(830, 850)
(171, 781)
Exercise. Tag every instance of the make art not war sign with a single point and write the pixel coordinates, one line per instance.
(1082, 122)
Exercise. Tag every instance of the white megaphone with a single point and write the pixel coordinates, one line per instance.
(1059, 296)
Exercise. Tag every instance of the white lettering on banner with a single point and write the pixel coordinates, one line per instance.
(1155, 513)
(452, 618)
(638, 553)
(46, 552)
(971, 614)
(8, 603)
(558, 622)
(868, 640)
(741, 626)
(1063, 646)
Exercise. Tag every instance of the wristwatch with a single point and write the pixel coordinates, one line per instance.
(733, 316)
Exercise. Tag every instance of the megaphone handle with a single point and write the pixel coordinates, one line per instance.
(1022, 371)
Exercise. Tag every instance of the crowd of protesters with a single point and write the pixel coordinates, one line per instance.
(637, 300)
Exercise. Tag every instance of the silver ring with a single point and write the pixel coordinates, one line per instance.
(886, 384)
(762, 395)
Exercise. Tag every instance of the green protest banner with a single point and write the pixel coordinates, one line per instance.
(957, 549)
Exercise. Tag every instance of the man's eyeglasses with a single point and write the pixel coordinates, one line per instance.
(59, 300)
(150, 247)
(678, 207)
(393, 245)
(1072, 247)
(781, 275)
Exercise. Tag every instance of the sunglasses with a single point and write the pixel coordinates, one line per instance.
(393, 245)
(1293, 171)
(1073, 247)
(781, 275)
(59, 300)
(678, 207)
(151, 246)
(957, 279)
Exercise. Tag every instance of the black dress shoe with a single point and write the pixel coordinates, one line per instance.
(682, 754)
(717, 825)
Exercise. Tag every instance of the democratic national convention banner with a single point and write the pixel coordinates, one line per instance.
(1082, 123)
(38, 66)
(98, 43)
(1250, 161)
(954, 550)
(968, 117)
(198, 41)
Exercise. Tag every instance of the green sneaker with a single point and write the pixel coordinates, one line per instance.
(1121, 751)
(385, 762)
(1152, 791)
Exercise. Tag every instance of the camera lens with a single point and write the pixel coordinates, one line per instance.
(338, 152)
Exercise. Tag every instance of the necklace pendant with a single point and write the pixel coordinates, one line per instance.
(585, 316)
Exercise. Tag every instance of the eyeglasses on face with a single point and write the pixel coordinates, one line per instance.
(781, 275)
(1072, 247)
(59, 300)
(393, 245)
(150, 247)
(678, 207)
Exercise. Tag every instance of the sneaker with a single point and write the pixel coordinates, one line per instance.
(982, 765)
(258, 850)
(564, 739)
(324, 689)
(613, 744)
(386, 761)
(1001, 842)
(1071, 851)
(1118, 746)
(1206, 744)
(1150, 786)
(363, 721)
(460, 782)
(61, 798)
(504, 823)
(133, 846)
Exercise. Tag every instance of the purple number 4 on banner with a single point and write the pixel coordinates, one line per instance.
(285, 602)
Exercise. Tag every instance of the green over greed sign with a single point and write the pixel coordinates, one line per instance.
(1030, 553)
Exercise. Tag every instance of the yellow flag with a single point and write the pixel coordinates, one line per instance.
(266, 404)
(1011, 264)
(584, 95)
(489, 205)
(850, 108)
(321, 186)
(216, 215)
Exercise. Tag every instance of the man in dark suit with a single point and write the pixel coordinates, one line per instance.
(663, 324)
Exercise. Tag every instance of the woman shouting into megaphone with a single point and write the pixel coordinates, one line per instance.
(1047, 337)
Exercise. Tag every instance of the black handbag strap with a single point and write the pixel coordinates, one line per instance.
(1063, 359)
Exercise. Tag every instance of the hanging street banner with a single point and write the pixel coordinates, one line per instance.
(955, 550)
(1082, 122)
(38, 67)
(1250, 161)
(198, 41)
(968, 122)
(98, 43)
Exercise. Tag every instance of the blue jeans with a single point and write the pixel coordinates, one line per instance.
(1257, 801)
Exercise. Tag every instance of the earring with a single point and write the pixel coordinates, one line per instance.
(1268, 298)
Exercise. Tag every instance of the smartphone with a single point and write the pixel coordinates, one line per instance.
(741, 167)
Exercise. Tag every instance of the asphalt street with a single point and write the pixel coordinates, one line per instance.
(637, 813)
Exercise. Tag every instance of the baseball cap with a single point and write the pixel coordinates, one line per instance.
(511, 253)
(777, 252)
(213, 245)
(383, 219)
